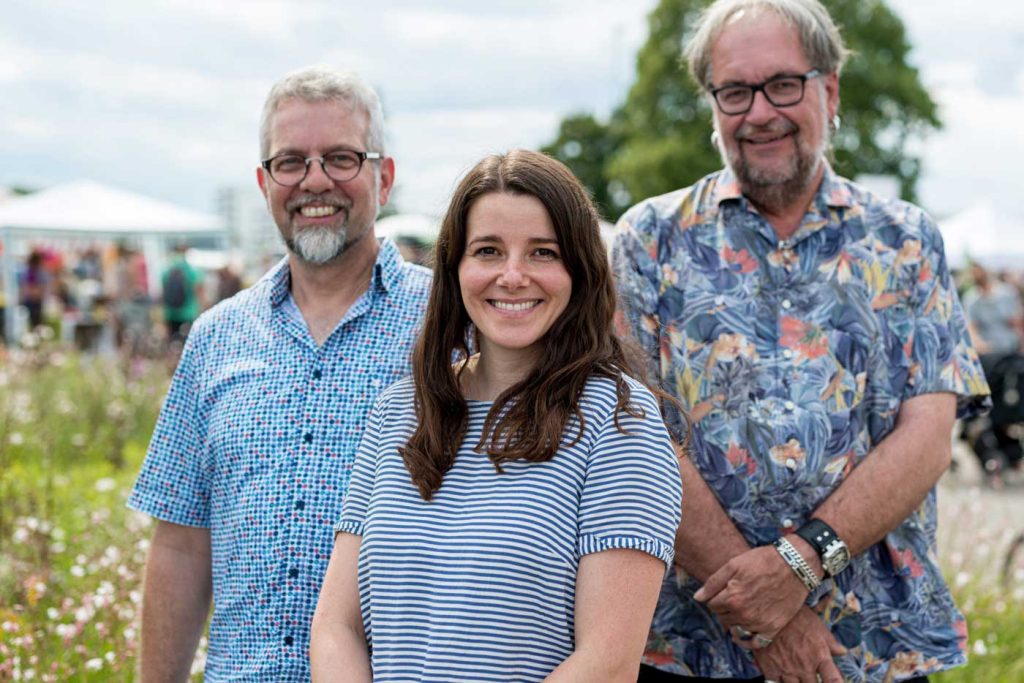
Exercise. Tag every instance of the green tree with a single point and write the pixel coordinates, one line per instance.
(658, 140)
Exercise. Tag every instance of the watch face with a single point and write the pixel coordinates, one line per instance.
(836, 557)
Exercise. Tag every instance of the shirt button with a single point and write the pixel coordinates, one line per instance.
(308, 437)
(791, 463)
(787, 523)
(787, 304)
(317, 374)
(789, 405)
(288, 640)
(299, 504)
(293, 572)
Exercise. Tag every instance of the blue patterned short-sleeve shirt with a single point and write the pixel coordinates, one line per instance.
(792, 358)
(256, 442)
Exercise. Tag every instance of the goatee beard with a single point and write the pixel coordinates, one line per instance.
(317, 246)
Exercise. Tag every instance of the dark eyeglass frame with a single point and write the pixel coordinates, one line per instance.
(762, 88)
(362, 156)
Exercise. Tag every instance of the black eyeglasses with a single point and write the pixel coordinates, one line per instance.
(291, 169)
(781, 91)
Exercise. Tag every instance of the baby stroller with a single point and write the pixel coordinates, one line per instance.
(996, 437)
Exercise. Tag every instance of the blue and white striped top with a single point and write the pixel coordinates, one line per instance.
(479, 584)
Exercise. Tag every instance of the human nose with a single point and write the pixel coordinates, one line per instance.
(512, 275)
(760, 108)
(316, 179)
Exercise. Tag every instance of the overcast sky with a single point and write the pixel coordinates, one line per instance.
(163, 96)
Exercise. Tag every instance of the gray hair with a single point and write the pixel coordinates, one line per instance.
(320, 83)
(819, 38)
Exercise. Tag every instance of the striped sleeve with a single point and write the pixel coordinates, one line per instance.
(632, 495)
(360, 486)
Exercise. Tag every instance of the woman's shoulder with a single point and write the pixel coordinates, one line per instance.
(398, 396)
(602, 392)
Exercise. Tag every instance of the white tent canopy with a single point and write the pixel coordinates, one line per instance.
(985, 234)
(87, 208)
(416, 225)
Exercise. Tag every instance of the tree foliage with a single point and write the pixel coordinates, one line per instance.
(658, 140)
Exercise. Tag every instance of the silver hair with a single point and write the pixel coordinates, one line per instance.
(319, 83)
(819, 38)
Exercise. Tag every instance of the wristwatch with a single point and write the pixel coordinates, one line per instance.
(831, 550)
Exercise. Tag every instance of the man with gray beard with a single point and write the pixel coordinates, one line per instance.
(254, 445)
(813, 334)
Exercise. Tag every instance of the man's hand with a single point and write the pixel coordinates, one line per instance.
(756, 591)
(801, 652)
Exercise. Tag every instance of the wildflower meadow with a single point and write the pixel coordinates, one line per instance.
(73, 433)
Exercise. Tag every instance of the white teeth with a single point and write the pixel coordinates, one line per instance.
(505, 306)
(318, 211)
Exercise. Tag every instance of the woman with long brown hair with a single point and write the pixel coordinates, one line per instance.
(510, 515)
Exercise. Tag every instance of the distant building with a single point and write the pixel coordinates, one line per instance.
(252, 235)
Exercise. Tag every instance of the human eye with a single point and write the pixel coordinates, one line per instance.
(485, 251)
(342, 159)
(546, 253)
(785, 86)
(288, 163)
(734, 94)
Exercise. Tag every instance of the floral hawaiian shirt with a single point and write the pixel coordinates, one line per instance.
(791, 358)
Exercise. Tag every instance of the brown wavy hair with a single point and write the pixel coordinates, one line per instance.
(528, 419)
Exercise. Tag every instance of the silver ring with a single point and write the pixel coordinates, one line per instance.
(762, 641)
(742, 633)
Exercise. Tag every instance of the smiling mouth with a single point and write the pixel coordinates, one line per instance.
(765, 141)
(517, 306)
(318, 211)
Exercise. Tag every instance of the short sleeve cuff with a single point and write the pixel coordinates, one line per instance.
(167, 511)
(348, 527)
(590, 543)
(970, 401)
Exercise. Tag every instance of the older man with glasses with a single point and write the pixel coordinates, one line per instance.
(812, 332)
(254, 446)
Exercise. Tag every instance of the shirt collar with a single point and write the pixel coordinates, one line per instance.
(832, 193)
(387, 272)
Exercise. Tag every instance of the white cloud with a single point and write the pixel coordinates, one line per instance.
(435, 148)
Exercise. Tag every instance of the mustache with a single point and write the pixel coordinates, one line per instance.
(778, 127)
(323, 199)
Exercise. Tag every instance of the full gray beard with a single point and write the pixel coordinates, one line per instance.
(776, 191)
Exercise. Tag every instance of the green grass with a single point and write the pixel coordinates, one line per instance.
(996, 633)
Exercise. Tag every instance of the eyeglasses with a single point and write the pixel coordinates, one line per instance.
(781, 91)
(291, 169)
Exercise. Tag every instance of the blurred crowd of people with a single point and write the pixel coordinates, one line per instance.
(995, 316)
(101, 297)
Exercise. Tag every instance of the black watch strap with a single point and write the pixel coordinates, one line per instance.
(818, 534)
